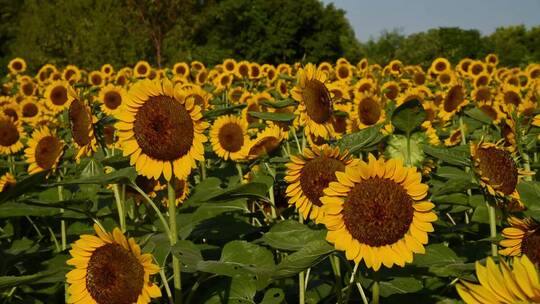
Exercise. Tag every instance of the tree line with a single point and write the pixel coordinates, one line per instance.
(89, 33)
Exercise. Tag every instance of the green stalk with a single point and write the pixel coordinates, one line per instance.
(156, 209)
(375, 289)
(203, 170)
(301, 279)
(62, 222)
(240, 173)
(492, 228)
(173, 238)
(408, 160)
(526, 165)
(296, 140)
(120, 207)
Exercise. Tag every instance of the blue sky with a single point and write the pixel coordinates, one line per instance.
(369, 18)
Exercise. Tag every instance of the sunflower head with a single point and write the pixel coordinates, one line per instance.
(11, 133)
(440, 65)
(7, 180)
(522, 237)
(82, 128)
(369, 110)
(309, 173)
(160, 130)
(378, 212)
(44, 151)
(265, 143)
(17, 66)
(110, 268)
(142, 69)
(229, 137)
(111, 98)
(453, 101)
(58, 96)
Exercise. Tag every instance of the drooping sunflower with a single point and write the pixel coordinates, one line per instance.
(315, 103)
(110, 268)
(11, 133)
(111, 98)
(7, 180)
(17, 66)
(378, 212)
(453, 101)
(160, 131)
(58, 96)
(502, 283)
(82, 128)
(142, 69)
(265, 143)
(229, 137)
(44, 150)
(496, 168)
(522, 237)
(369, 110)
(181, 190)
(309, 173)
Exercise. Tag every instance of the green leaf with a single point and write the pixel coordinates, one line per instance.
(273, 296)
(188, 254)
(479, 115)
(450, 172)
(273, 116)
(454, 186)
(409, 116)
(400, 285)
(122, 176)
(291, 235)
(23, 186)
(12, 209)
(362, 140)
(441, 261)
(459, 156)
(219, 112)
(12, 281)
(278, 104)
(160, 246)
(310, 255)
(529, 193)
(454, 198)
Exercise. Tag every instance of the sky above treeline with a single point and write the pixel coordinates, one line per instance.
(369, 18)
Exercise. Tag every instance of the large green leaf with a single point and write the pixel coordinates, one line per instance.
(400, 285)
(223, 111)
(409, 116)
(442, 261)
(459, 156)
(121, 176)
(279, 104)
(311, 254)
(23, 186)
(12, 281)
(362, 140)
(291, 235)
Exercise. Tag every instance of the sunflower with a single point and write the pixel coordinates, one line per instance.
(339, 91)
(270, 74)
(281, 88)
(463, 66)
(315, 103)
(522, 237)
(12, 110)
(30, 110)
(440, 65)
(446, 78)
(510, 95)
(107, 69)
(58, 96)
(181, 189)
(496, 169)
(265, 143)
(82, 128)
(369, 110)
(344, 72)
(6, 181)
(482, 94)
(142, 69)
(502, 284)
(200, 97)
(111, 98)
(229, 137)
(161, 131)
(44, 73)
(71, 74)
(454, 138)
(395, 67)
(411, 94)
(285, 69)
(181, 68)
(377, 211)
(339, 120)
(44, 150)
(492, 59)
(109, 268)
(390, 90)
(492, 110)
(476, 68)
(96, 78)
(309, 173)
(17, 66)
(11, 134)
(197, 65)
(364, 85)
(223, 81)
(454, 100)
(27, 86)
(362, 65)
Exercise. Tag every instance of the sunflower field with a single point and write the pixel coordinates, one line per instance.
(253, 183)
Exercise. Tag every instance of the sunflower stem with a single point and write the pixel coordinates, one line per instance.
(11, 164)
(301, 279)
(375, 291)
(203, 170)
(240, 173)
(492, 228)
(174, 237)
(120, 207)
(166, 285)
(296, 140)
(156, 209)
(62, 222)
(334, 262)
(526, 165)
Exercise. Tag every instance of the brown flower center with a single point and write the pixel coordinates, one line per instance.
(27, 88)
(59, 95)
(17, 65)
(483, 94)
(317, 100)
(392, 92)
(112, 99)
(440, 66)
(454, 98)
(109, 135)
(163, 128)
(498, 166)
(96, 79)
(511, 97)
(243, 70)
(369, 111)
(30, 110)
(317, 174)
(9, 134)
(530, 246)
(47, 151)
(114, 275)
(81, 123)
(141, 69)
(68, 74)
(378, 212)
(343, 72)
(419, 78)
(231, 137)
(11, 113)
